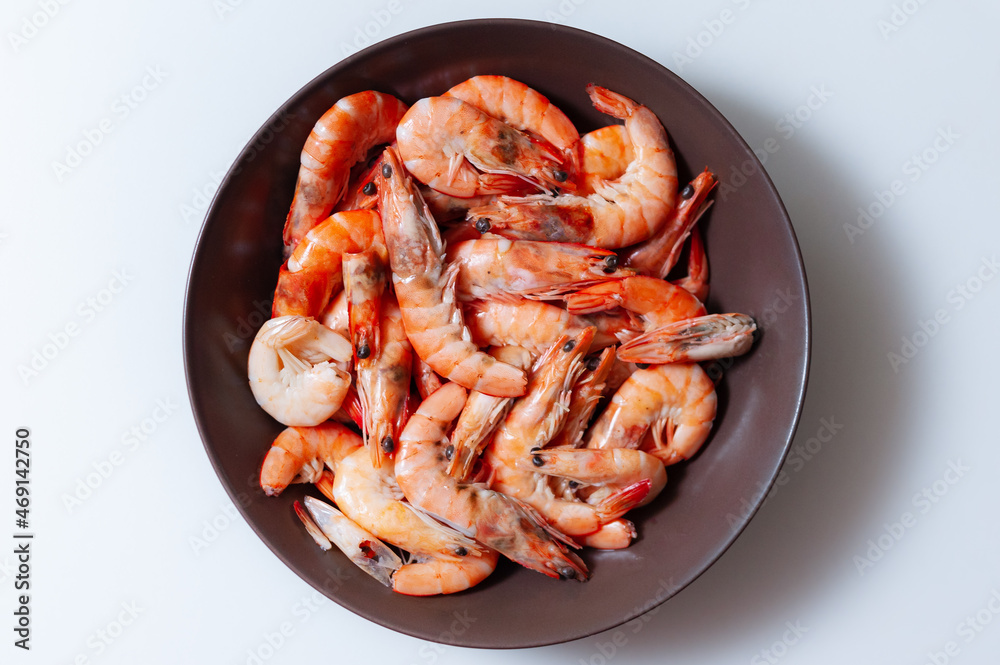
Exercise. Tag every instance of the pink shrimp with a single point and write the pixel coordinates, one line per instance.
(302, 452)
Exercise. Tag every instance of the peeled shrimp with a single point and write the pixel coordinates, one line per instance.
(445, 560)
(461, 151)
(313, 272)
(519, 106)
(494, 267)
(620, 212)
(426, 291)
(341, 138)
(291, 372)
(675, 404)
(494, 519)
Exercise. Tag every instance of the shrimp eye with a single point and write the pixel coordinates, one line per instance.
(461, 551)
(537, 461)
(364, 351)
(569, 346)
(387, 444)
(687, 192)
(611, 263)
(449, 452)
(593, 362)
(386, 171)
(573, 484)
(483, 225)
(560, 176)
(567, 573)
(369, 188)
(642, 365)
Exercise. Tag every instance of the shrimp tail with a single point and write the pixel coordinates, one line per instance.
(624, 500)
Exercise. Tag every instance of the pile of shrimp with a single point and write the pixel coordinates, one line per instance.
(467, 282)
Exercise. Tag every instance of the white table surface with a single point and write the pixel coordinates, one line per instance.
(94, 260)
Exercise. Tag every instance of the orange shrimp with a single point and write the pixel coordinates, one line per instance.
(604, 154)
(461, 151)
(426, 291)
(675, 403)
(302, 452)
(313, 272)
(341, 138)
(519, 106)
(494, 267)
(620, 212)
(494, 519)
(365, 274)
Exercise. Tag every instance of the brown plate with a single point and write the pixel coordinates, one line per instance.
(756, 269)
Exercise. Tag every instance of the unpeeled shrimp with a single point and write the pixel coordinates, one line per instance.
(341, 138)
(536, 325)
(461, 151)
(604, 154)
(494, 267)
(620, 212)
(676, 404)
(291, 370)
(313, 272)
(302, 452)
(709, 337)
(445, 560)
(426, 291)
(492, 518)
(519, 106)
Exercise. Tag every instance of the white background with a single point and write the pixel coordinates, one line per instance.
(224, 67)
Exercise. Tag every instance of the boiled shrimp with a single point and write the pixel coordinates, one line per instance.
(675, 404)
(341, 138)
(611, 469)
(696, 280)
(426, 291)
(655, 301)
(313, 272)
(494, 267)
(587, 393)
(292, 372)
(604, 154)
(658, 255)
(445, 560)
(481, 416)
(461, 151)
(620, 212)
(708, 337)
(383, 384)
(519, 106)
(326, 524)
(537, 325)
(302, 453)
(365, 275)
(492, 518)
